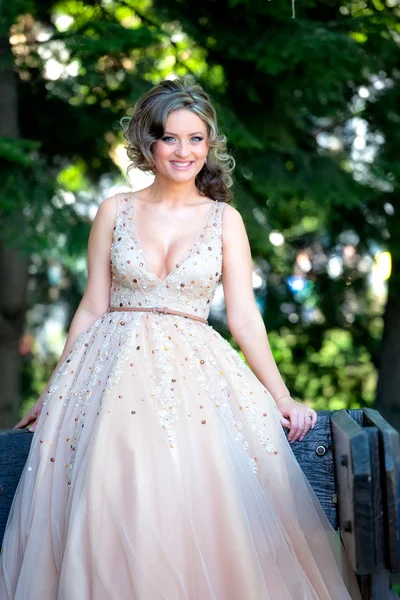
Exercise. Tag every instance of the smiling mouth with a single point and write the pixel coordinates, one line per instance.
(181, 164)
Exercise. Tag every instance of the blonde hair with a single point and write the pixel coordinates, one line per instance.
(147, 126)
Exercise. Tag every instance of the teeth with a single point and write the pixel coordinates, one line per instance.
(180, 164)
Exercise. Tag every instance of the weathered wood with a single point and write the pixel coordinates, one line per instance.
(377, 587)
(379, 580)
(315, 457)
(14, 450)
(357, 415)
(389, 483)
(385, 457)
(354, 486)
(377, 504)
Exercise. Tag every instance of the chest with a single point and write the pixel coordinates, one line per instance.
(198, 270)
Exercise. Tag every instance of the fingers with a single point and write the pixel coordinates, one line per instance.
(307, 427)
(314, 418)
(24, 422)
(299, 419)
(33, 426)
(284, 422)
(294, 426)
(301, 423)
(302, 429)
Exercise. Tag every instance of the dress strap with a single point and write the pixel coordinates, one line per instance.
(123, 215)
(217, 221)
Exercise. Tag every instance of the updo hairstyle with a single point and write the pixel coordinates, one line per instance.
(147, 126)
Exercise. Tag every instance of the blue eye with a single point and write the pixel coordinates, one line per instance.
(166, 138)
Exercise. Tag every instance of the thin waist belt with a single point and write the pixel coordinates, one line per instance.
(160, 309)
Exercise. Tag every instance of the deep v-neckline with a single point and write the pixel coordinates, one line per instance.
(183, 256)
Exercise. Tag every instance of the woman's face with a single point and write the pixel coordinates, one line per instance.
(181, 152)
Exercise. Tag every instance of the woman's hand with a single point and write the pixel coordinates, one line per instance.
(31, 417)
(296, 416)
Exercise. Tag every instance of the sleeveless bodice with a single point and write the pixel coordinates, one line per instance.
(190, 287)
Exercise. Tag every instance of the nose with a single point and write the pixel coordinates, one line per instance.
(182, 149)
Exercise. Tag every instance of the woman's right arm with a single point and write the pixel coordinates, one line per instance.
(96, 298)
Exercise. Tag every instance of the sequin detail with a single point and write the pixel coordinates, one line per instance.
(190, 287)
(257, 419)
(101, 356)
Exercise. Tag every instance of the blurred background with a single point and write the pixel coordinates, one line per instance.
(311, 108)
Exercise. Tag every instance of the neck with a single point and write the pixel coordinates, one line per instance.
(171, 192)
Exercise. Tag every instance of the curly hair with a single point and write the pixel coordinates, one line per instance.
(147, 125)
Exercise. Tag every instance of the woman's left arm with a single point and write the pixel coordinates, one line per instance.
(247, 326)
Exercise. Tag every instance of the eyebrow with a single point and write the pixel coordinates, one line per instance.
(172, 133)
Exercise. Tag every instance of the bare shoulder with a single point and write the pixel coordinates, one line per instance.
(231, 215)
(232, 223)
(108, 208)
(104, 221)
(106, 215)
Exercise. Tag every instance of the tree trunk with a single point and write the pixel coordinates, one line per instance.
(13, 296)
(388, 392)
(13, 266)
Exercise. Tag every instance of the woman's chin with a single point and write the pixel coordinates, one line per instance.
(182, 176)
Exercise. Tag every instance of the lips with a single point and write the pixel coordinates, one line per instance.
(178, 164)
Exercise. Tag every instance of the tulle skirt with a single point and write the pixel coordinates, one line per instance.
(159, 470)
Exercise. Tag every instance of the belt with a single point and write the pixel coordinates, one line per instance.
(159, 309)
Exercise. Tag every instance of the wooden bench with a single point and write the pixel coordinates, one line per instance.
(352, 460)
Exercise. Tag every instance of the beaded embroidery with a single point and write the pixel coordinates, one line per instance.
(190, 287)
(105, 349)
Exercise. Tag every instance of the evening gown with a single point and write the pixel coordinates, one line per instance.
(159, 469)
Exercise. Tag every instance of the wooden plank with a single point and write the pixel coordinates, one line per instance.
(358, 415)
(14, 450)
(377, 587)
(315, 456)
(377, 506)
(390, 484)
(380, 578)
(354, 488)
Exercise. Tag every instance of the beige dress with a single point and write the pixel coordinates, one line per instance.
(159, 469)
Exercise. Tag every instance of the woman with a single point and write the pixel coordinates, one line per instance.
(158, 467)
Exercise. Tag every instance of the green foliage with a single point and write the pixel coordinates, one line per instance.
(73, 178)
(287, 92)
(35, 374)
(18, 152)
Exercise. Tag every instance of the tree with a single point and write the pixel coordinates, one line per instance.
(13, 267)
